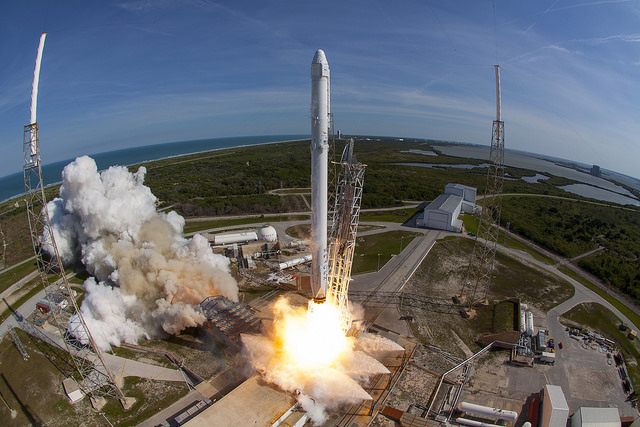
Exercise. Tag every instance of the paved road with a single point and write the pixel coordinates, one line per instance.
(392, 277)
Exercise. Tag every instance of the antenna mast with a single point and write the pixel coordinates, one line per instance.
(93, 376)
(478, 277)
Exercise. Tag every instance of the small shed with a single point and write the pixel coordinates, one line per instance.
(72, 390)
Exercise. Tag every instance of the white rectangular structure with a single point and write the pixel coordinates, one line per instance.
(596, 417)
(467, 193)
(555, 410)
(442, 214)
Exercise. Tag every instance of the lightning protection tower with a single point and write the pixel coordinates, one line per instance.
(342, 238)
(92, 374)
(478, 276)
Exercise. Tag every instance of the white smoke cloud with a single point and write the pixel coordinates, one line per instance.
(149, 279)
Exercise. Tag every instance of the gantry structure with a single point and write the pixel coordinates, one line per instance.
(91, 373)
(479, 273)
(342, 237)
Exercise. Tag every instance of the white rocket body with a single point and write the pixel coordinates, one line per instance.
(320, 87)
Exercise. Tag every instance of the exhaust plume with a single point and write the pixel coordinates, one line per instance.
(147, 278)
(309, 355)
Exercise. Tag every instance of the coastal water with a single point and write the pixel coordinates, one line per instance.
(13, 185)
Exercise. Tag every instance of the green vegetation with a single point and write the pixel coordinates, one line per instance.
(380, 248)
(10, 277)
(572, 228)
(34, 287)
(598, 318)
(400, 215)
(631, 315)
(148, 400)
(496, 318)
(471, 225)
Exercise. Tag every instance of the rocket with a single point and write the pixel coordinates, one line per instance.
(320, 101)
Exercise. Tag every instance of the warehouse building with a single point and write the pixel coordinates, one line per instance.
(443, 212)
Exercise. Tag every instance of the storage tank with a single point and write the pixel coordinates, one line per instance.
(294, 262)
(523, 321)
(225, 239)
(555, 410)
(267, 233)
(485, 411)
(529, 322)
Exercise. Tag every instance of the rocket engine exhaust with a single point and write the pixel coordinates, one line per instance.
(320, 95)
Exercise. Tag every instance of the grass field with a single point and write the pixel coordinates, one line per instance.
(400, 216)
(471, 225)
(10, 277)
(375, 250)
(632, 315)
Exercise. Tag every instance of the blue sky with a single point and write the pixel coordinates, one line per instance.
(120, 74)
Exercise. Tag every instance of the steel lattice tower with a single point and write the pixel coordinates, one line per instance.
(480, 270)
(93, 376)
(342, 238)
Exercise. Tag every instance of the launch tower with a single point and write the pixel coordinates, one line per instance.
(342, 239)
(478, 277)
(93, 377)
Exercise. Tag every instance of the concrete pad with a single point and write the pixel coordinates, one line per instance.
(128, 402)
(98, 403)
(252, 403)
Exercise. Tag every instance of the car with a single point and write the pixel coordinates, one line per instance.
(560, 345)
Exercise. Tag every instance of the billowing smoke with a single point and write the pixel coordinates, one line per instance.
(308, 354)
(147, 278)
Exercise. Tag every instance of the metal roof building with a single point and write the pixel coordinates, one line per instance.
(443, 212)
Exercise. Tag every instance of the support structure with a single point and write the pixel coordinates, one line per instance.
(480, 270)
(93, 376)
(342, 238)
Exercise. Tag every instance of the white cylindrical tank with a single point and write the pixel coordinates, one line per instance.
(529, 329)
(267, 233)
(523, 321)
(225, 239)
(488, 412)
(294, 262)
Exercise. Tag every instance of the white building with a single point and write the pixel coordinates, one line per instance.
(467, 193)
(596, 417)
(555, 410)
(443, 212)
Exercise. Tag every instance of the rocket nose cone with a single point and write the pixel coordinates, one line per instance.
(319, 57)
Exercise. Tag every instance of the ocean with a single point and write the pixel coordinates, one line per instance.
(13, 185)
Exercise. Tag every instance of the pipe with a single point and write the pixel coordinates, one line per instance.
(486, 411)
